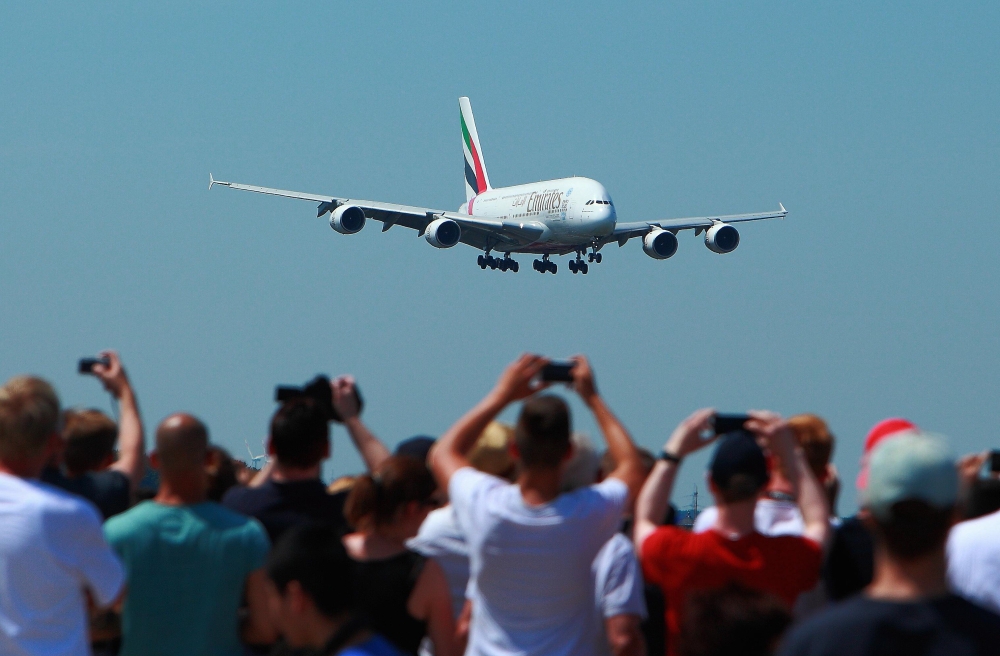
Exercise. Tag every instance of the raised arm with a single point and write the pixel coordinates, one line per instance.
(813, 502)
(628, 463)
(450, 453)
(345, 400)
(651, 506)
(131, 442)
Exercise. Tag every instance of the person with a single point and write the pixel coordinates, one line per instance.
(531, 548)
(405, 595)
(681, 562)
(731, 620)
(292, 491)
(909, 506)
(89, 466)
(54, 559)
(974, 545)
(441, 538)
(190, 562)
(312, 596)
(777, 512)
(222, 473)
(849, 564)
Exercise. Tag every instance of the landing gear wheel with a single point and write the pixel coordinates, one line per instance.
(514, 266)
(553, 267)
(584, 268)
(597, 257)
(573, 266)
(537, 266)
(590, 257)
(481, 262)
(504, 263)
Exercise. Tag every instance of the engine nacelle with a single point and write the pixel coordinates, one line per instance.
(347, 219)
(659, 244)
(443, 233)
(722, 238)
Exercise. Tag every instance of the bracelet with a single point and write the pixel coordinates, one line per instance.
(669, 457)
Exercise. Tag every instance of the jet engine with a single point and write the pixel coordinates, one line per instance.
(443, 233)
(722, 238)
(347, 219)
(659, 244)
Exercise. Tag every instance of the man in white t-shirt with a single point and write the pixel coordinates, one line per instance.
(52, 551)
(531, 548)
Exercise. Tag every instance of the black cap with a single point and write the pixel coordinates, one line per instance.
(738, 453)
(415, 447)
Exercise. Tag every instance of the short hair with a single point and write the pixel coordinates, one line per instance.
(313, 555)
(89, 437)
(542, 431)
(29, 416)
(300, 433)
(733, 619)
(375, 498)
(914, 528)
(608, 463)
(816, 440)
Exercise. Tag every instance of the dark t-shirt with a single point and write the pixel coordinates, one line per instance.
(108, 489)
(280, 506)
(850, 562)
(946, 626)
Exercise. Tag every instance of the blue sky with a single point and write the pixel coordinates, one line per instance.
(875, 125)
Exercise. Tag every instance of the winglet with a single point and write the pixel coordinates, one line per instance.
(782, 208)
(211, 181)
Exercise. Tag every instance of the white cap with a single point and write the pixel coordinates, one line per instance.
(912, 465)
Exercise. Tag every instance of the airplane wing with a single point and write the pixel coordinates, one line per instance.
(625, 231)
(477, 232)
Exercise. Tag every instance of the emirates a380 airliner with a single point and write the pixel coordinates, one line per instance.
(557, 217)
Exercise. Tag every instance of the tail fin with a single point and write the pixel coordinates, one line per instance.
(476, 179)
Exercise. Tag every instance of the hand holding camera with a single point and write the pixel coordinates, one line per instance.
(108, 369)
(339, 400)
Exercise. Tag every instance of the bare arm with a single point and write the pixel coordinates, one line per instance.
(131, 442)
(345, 400)
(450, 453)
(628, 464)
(651, 506)
(431, 601)
(812, 500)
(625, 635)
(257, 628)
(263, 475)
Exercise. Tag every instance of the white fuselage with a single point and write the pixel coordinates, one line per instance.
(574, 211)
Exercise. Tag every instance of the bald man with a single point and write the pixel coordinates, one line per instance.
(190, 562)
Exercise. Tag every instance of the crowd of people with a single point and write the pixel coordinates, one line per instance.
(492, 540)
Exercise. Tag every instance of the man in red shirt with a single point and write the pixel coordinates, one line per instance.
(680, 562)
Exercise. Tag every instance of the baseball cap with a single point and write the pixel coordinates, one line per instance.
(880, 431)
(416, 447)
(910, 466)
(738, 453)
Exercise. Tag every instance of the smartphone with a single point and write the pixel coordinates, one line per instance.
(86, 365)
(728, 423)
(558, 371)
(995, 462)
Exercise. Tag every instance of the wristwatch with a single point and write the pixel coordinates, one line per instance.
(669, 457)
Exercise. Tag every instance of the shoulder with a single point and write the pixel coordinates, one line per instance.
(468, 481)
(964, 612)
(55, 504)
(667, 539)
(974, 531)
(133, 519)
(826, 631)
(617, 548)
(239, 497)
(230, 520)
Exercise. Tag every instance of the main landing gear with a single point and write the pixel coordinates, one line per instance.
(543, 265)
(505, 264)
(578, 265)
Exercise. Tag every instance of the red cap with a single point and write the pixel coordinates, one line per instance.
(880, 431)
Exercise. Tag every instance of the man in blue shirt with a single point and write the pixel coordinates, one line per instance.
(189, 562)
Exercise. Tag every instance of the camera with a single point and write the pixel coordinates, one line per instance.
(558, 371)
(723, 424)
(86, 365)
(318, 389)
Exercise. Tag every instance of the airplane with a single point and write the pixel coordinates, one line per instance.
(554, 217)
